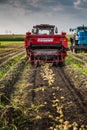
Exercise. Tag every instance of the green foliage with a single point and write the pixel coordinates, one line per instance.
(77, 65)
(3, 43)
(9, 66)
(10, 127)
(12, 37)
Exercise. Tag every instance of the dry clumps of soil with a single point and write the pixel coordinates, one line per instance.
(43, 98)
(79, 80)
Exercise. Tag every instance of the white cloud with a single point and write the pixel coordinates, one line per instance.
(34, 3)
(57, 8)
(20, 15)
(80, 4)
(77, 3)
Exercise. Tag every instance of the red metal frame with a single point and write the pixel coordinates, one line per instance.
(42, 40)
(63, 55)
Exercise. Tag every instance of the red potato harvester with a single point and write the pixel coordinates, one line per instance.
(45, 44)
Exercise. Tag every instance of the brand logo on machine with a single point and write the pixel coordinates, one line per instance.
(45, 39)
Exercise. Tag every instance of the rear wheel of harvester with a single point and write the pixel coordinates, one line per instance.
(27, 53)
(31, 59)
(61, 63)
(36, 63)
(55, 63)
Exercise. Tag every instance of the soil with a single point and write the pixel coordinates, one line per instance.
(44, 98)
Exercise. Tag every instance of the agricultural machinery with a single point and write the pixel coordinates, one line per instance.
(43, 44)
(79, 39)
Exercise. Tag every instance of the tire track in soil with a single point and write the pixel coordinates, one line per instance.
(39, 85)
(28, 81)
(21, 87)
(80, 82)
(41, 94)
(37, 81)
(36, 95)
(25, 93)
(73, 104)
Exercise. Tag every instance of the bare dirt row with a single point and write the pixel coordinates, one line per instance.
(42, 98)
(79, 80)
(72, 93)
(5, 49)
(9, 52)
(7, 82)
(2, 59)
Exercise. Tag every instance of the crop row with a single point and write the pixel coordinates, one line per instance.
(4, 50)
(77, 63)
(26, 103)
(36, 98)
(12, 37)
(79, 56)
(4, 58)
(9, 79)
(9, 64)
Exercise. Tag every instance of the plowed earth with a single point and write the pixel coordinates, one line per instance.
(43, 98)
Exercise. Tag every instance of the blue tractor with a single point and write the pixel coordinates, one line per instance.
(79, 39)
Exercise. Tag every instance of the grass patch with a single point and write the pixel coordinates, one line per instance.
(11, 64)
(78, 66)
(3, 43)
(12, 37)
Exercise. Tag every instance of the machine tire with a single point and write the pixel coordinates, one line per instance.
(61, 64)
(55, 63)
(36, 63)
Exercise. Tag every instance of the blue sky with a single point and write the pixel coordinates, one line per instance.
(18, 16)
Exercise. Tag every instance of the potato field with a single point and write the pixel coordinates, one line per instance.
(42, 98)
